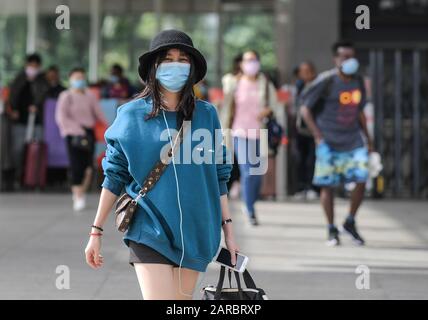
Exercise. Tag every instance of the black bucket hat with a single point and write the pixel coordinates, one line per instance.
(168, 39)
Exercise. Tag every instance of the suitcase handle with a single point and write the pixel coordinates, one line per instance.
(29, 135)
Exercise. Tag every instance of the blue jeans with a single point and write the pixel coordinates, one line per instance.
(246, 151)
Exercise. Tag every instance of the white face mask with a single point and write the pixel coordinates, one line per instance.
(31, 72)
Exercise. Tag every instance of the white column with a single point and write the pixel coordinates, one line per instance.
(219, 47)
(94, 40)
(284, 32)
(158, 5)
(32, 13)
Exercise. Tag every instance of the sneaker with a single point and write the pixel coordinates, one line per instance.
(244, 209)
(311, 195)
(299, 196)
(333, 237)
(350, 229)
(79, 203)
(254, 221)
(252, 218)
(234, 191)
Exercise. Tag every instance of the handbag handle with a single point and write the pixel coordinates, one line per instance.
(220, 282)
(248, 279)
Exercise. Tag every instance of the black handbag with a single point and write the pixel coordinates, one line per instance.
(275, 130)
(251, 292)
(84, 143)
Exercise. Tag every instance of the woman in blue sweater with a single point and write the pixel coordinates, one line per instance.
(176, 230)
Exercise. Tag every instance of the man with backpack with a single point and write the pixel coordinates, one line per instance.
(333, 111)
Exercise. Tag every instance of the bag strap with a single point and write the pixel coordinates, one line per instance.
(249, 282)
(233, 102)
(266, 91)
(229, 274)
(238, 283)
(160, 166)
(219, 287)
(219, 283)
(267, 97)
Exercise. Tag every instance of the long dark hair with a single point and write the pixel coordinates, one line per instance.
(187, 101)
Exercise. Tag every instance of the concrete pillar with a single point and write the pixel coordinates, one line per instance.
(305, 29)
(94, 40)
(32, 13)
(219, 47)
(158, 5)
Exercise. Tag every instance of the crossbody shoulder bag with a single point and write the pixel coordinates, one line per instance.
(126, 205)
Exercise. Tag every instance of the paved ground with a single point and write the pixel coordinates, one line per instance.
(288, 257)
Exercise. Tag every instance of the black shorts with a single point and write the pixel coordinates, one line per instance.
(141, 253)
(80, 159)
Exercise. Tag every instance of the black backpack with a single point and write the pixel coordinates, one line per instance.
(275, 130)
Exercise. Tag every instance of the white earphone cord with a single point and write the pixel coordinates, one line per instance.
(179, 207)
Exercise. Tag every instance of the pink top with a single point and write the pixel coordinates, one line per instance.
(76, 110)
(247, 108)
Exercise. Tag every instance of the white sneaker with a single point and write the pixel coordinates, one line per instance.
(300, 196)
(311, 195)
(244, 209)
(79, 204)
(234, 191)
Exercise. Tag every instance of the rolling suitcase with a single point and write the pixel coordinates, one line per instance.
(35, 158)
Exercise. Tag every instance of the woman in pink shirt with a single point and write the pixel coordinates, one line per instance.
(244, 107)
(76, 113)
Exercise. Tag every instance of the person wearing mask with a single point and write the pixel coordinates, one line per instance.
(244, 109)
(53, 79)
(227, 81)
(305, 143)
(118, 86)
(76, 113)
(27, 94)
(176, 229)
(336, 124)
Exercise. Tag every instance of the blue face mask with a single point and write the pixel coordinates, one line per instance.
(78, 84)
(173, 75)
(350, 66)
(114, 79)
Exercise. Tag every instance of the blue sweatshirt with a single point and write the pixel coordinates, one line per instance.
(133, 147)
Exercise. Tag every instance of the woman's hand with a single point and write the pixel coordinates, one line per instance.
(267, 111)
(92, 252)
(227, 229)
(232, 247)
